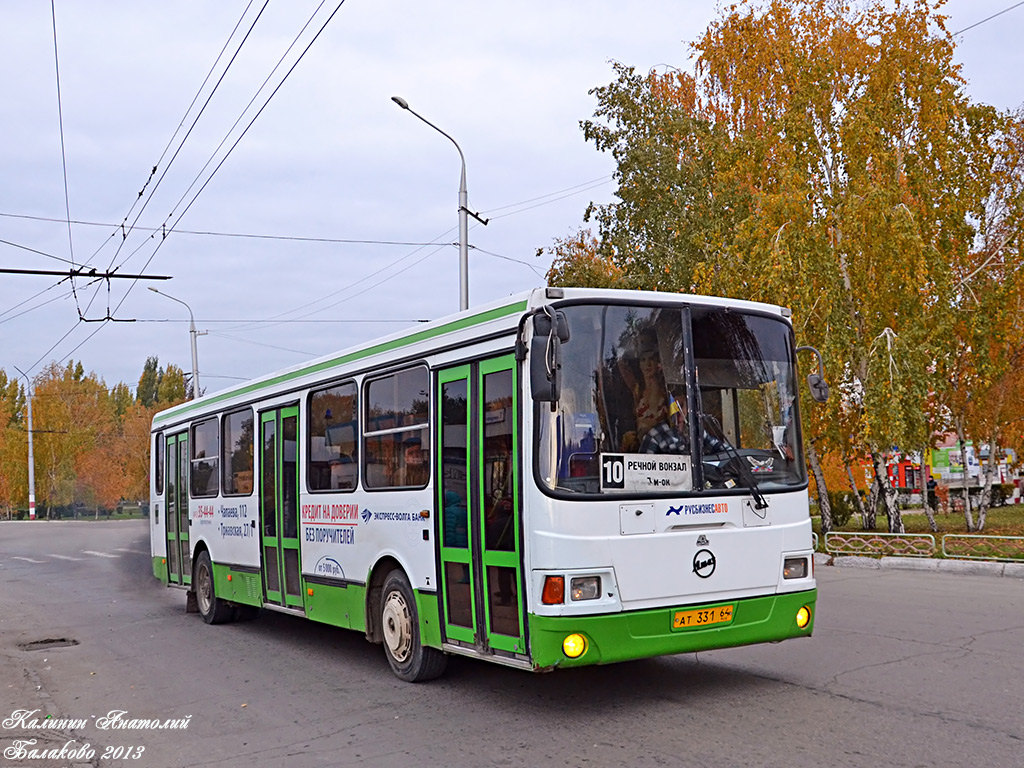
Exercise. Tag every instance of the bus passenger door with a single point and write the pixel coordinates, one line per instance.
(478, 490)
(279, 507)
(179, 557)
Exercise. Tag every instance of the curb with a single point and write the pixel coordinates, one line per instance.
(970, 567)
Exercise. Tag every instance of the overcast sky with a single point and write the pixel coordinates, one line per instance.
(330, 157)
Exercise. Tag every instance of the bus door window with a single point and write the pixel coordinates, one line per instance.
(183, 474)
(455, 497)
(171, 513)
(498, 499)
(268, 503)
(290, 501)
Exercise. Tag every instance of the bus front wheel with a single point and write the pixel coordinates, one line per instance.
(408, 657)
(211, 608)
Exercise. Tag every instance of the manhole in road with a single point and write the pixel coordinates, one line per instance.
(50, 642)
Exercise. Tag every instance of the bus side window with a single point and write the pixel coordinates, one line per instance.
(237, 453)
(397, 430)
(333, 455)
(205, 457)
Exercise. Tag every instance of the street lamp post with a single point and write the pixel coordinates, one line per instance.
(31, 455)
(192, 333)
(464, 211)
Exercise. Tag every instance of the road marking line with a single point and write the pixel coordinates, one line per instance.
(98, 554)
(133, 551)
(27, 559)
(65, 557)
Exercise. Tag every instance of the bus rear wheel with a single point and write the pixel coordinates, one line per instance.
(211, 608)
(408, 657)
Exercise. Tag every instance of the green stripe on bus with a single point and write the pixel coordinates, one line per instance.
(455, 325)
(644, 634)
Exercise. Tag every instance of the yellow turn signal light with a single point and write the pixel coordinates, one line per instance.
(803, 617)
(574, 646)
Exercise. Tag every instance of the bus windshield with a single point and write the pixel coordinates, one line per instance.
(626, 421)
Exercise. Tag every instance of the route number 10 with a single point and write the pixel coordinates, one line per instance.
(613, 470)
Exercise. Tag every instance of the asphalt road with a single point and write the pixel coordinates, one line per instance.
(904, 669)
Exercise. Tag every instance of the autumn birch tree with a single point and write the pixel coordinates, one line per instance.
(820, 157)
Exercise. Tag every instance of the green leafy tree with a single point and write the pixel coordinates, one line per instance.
(172, 388)
(149, 381)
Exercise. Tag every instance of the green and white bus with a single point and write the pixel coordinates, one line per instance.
(567, 477)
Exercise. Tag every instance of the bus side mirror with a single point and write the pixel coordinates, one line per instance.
(816, 381)
(818, 387)
(550, 331)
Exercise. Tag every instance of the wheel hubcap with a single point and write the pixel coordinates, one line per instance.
(397, 622)
(204, 589)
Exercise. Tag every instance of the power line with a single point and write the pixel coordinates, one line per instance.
(279, 322)
(31, 298)
(235, 144)
(168, 229)
(994, 15)
(63, 153)
(262, 344)
(551, 197)
(202, 109)
(152, 193)
(41, 253)
(195, 98)
(575, 189)
(211, 233)
(126, 233)
(508, 258)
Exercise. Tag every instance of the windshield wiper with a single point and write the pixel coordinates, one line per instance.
(746, 475)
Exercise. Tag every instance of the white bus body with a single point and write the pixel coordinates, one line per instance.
(484, 485)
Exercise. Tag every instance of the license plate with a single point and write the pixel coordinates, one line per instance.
(702, 617)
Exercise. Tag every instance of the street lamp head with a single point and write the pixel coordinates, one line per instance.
(400, 102)
(154, 290)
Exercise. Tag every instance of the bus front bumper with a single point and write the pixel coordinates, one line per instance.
(609, 638)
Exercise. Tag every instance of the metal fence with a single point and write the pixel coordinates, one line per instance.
(977, 547)
(954, 545)
(871, 543)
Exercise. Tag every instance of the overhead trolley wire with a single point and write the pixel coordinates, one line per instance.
(63, 151)
(163, 170)
(993, 16)
(165, 230)
(195, 121)
(169, 229)
(188, 111)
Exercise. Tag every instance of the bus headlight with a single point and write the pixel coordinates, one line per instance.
(803, 617)
(794, 568)
(585, 587)
(574, 646)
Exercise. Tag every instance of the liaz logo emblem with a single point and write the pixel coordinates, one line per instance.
(366, 514)
(704, 563)
(702, 540)
(761, 465)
